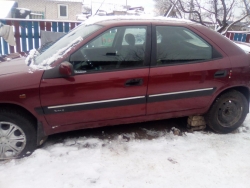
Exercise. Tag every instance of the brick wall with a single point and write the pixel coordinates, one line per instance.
(50, 8)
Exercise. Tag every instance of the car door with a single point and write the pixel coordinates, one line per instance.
(186, 70)
(110, 81)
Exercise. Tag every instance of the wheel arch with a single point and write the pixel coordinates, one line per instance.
(11, 106)
(41, 135)
(242, 89)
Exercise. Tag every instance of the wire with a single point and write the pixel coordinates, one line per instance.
(100, 7)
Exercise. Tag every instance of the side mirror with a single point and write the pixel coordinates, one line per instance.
(66, 69)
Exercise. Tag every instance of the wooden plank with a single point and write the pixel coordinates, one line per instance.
(66, 27)
(5, 47)
(248, 38)
(239, 37)
(48, 26)
(42, 25)
(232, 36)
(23, 35)
(54, 26)
(60, 26)
(36, 34)
(5, 44)
(30, 35)
(1, 51)
(17, 36)
(12, 49)
(72, 25)
(244, 37)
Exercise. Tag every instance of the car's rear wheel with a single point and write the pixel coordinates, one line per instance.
(228, 112)
(17, 134)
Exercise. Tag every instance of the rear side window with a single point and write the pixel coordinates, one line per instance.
(180, 45)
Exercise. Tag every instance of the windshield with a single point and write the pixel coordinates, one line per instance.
(77, 34)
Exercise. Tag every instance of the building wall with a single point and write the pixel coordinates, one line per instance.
(50, 8)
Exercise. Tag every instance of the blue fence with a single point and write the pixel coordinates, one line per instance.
(27, 33)
(239, 36)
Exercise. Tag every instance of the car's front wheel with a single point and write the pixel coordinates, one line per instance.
(17, 134)
(228, 112)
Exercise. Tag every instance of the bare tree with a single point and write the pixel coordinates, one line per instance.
(162, 6)
(86, 9)
(246, 5)
(217, 13)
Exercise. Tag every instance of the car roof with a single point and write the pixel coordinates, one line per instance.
(104, 20)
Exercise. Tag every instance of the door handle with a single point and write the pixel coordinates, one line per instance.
(111, 54)
(220, 74)
(134, 82)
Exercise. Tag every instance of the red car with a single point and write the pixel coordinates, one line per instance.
(119, 71)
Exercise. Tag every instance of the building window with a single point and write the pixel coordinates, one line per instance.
(62, 11)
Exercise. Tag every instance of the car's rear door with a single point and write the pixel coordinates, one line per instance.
(186, 70)
(107, 83)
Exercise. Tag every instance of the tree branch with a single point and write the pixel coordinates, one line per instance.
(230, 8)
(224, 20)
(193, 11)
(230, 25)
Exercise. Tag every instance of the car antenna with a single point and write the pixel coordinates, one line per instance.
(99, 7)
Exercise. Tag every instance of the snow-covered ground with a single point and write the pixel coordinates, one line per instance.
(200, 159)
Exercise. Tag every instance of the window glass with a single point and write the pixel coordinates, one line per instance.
(81, 31)
(180, 45)
(139, 34)
(105, 40)
(117, 48)
(63, 10)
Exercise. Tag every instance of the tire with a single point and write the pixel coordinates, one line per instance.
(228, 112)
(17, 134)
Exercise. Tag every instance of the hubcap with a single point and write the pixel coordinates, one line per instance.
(12, 140)
(229, 113)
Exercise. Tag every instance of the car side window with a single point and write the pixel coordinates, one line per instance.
(139, 34)
(180, 45)
(115, 49)
(105, 40)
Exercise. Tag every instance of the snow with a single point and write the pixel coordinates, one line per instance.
(22, 10)
(200, 159)
(47, 62)
(61, 52)
(6, 7)
(244, 47)
(33, 53)
(96, 19)
(81, 17)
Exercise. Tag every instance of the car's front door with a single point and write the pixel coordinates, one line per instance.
(110, 81)
(186, 71)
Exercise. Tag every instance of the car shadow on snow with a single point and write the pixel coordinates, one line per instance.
(145, 130)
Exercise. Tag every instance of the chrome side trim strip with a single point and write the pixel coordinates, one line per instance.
(180, 92)
(95, 102)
